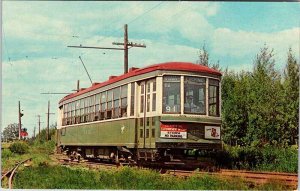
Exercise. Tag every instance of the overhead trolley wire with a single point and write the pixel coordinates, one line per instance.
(134, 19)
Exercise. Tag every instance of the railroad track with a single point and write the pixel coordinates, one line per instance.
(288, 179)
(10, 174)
(91, 164)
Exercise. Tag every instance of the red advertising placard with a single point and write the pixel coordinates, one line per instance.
(173, 131)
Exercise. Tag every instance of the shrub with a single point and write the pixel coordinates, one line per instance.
(266, 158)
(6, 153)
(19, 147)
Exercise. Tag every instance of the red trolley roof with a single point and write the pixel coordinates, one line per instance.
(174, 66)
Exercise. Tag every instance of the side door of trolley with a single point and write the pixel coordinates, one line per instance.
(146, 111)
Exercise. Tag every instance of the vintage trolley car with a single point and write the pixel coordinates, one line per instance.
(156, 113)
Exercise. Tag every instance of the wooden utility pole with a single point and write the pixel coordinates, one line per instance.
(125, 49)
(19, 121)
(34, 132)
(126, 44)
(48, 116)
(39, 116)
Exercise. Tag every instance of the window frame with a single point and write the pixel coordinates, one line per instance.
(204, 97)
(214, 83)
(164, 93)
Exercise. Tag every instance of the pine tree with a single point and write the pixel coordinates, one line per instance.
(203, 56)
(203, 59)
(265, 115)
(291, 95)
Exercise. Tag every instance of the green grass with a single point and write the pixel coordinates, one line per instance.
(44, 173)
(39, 152)
(60, 177)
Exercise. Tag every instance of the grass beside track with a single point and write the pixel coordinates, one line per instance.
(61, 177)
(46, 173)
(39, 152)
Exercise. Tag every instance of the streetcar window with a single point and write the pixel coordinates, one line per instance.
(109, 95)
(141, 133)
(132, 99)
(142, 89)
(92, 103)
(147, 133)
(124, 92)
(97, 107)
(124, 107)
(148, 87)
(153, 121)
(154, 96)
(103, 105)
(81, 110)
(77, 113)
(116, 106)
(171, 94)
(153, 133)
(154, 102)
(109, 104)
(141, 122)
(142, 104)
(148, 96)
(148, 102)
(142, 98)
(92, 108)
(213, 98)
(86, 109)
(148, 121)
(194, 95)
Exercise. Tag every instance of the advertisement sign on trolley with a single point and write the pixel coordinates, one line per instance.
(173, 131)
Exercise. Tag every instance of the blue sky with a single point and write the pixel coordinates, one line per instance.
(35, 57)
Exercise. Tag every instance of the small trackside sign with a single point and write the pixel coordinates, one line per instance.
(173, 131)
(212, 132)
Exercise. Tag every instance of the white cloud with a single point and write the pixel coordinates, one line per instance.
(241, 43)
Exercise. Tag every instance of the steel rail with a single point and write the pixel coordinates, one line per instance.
(13, 172)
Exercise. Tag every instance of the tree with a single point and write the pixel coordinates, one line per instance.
(43, 136)
(291, 96)
(203, 59)
(203, 56)
(235, 89)
(11, 132)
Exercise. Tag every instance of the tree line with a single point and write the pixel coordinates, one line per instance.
(260, 106)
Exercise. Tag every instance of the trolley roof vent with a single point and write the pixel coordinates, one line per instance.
(82, 89)
(112, 77)
(133, 69)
